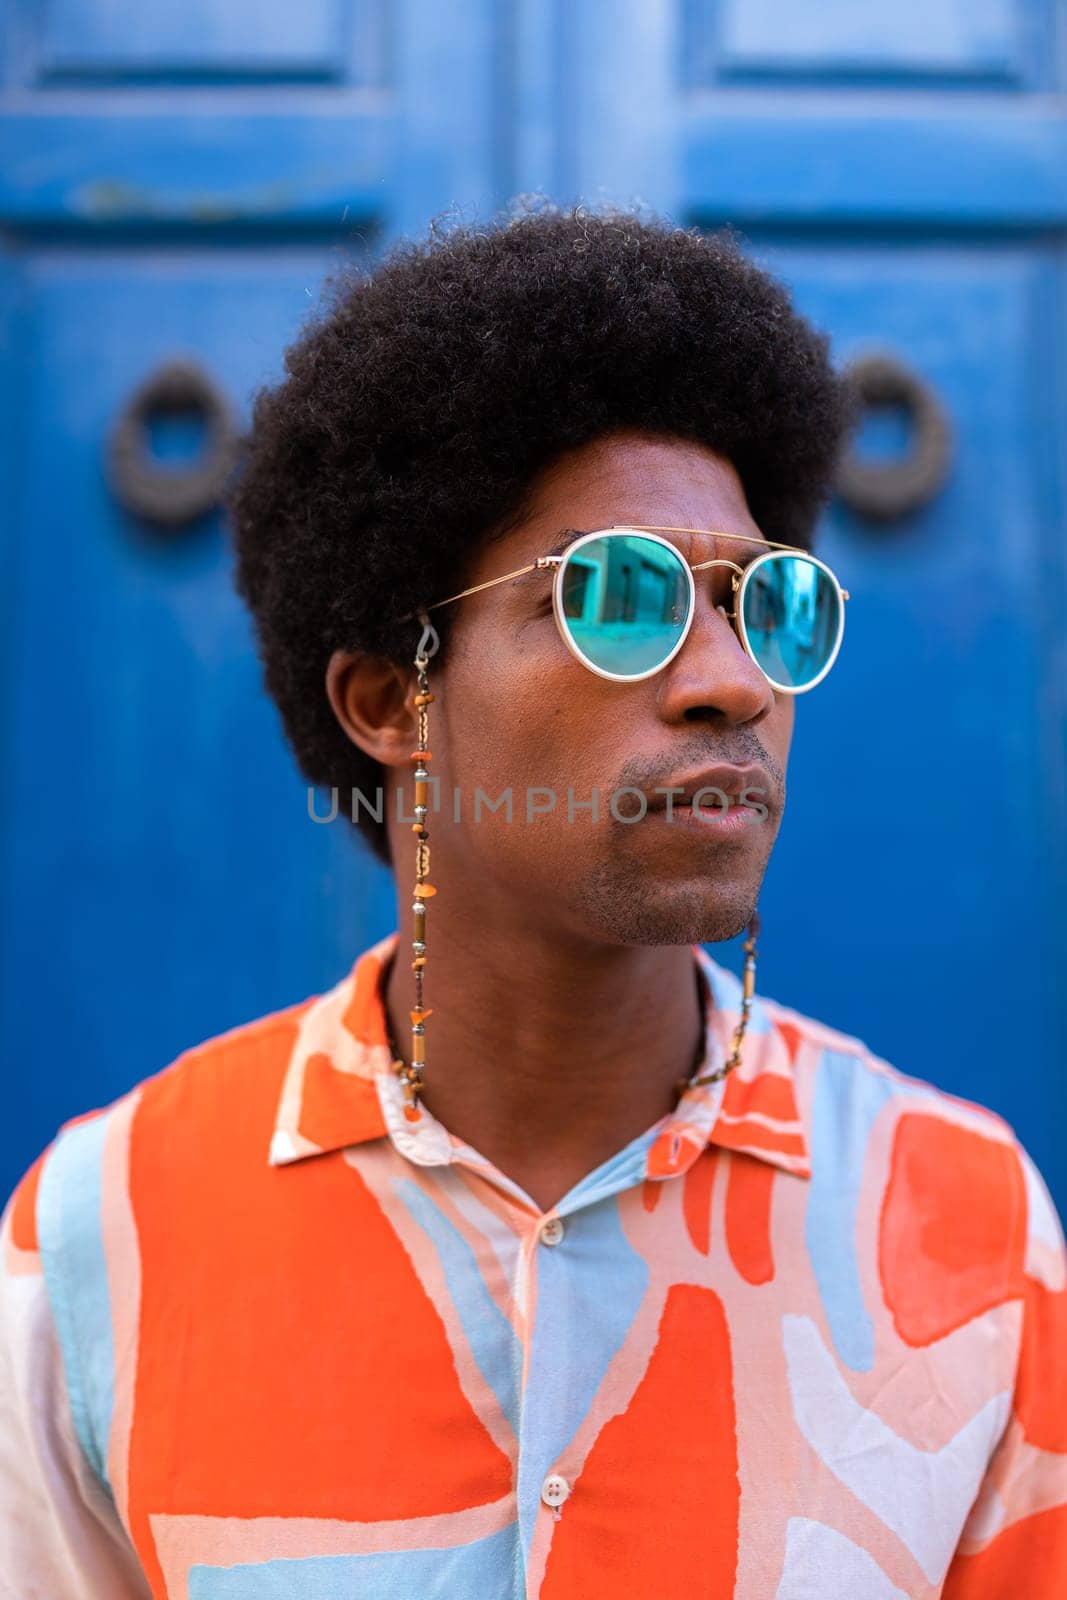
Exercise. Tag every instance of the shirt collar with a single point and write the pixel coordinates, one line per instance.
(339, 1088)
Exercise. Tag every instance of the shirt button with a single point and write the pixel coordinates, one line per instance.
(555, 1490)
(552, 1232)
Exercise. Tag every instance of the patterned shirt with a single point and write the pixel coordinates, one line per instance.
(263, 1336)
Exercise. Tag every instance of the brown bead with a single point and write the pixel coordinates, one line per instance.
(418, 1049)
(421, 785)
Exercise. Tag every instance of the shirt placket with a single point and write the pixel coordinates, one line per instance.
(567, 1267)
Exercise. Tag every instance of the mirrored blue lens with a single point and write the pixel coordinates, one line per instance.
(792, 617)
(625, 602)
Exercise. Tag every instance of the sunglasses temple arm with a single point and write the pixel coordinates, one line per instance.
(489, 584)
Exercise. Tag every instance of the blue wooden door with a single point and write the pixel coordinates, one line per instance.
(175, 183)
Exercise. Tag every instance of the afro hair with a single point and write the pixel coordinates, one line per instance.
(422, 399)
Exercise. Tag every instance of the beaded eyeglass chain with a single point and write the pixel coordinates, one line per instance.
(748, 990)
(411, 1077)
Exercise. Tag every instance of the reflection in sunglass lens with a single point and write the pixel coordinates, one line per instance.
(625, 602)
(792, 619)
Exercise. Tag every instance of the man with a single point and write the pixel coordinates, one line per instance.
(537, 1257)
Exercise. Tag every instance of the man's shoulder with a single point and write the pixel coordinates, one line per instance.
(936, 1161)
(251, 1050)
(847, 1063)
(221, 1085)
(248, 1059)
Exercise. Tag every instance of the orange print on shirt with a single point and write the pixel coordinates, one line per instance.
(952, 1239)
(641, 1520)
(291, 1362)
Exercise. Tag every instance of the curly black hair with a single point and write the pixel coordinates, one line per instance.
(422, 400)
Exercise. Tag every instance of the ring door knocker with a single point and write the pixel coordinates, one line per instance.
(883, 491)
(172, 496)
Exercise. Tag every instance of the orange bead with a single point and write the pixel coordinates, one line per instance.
(420, 1016)
(412, 1113)
(418, 963)
(424, 890)
(423, 699)
(420, 755)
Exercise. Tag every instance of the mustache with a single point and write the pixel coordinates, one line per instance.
(741, 748)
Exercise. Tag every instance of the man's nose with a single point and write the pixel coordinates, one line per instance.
(713, 675)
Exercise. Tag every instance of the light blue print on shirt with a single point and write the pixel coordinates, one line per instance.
(485, 1567)
(70, 1224)
(847, 1100)
(488, 1332)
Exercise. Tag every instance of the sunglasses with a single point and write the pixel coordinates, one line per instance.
(624, 601)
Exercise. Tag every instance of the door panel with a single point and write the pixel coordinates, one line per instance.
(238, 39)
(985, 41)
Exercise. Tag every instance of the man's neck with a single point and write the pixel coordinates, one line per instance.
(546, 1057)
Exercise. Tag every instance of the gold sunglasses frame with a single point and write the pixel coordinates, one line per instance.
(739, 583)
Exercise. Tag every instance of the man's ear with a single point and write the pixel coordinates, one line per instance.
(374, 701)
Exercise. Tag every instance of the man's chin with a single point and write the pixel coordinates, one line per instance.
(716, 927)
(692, 917)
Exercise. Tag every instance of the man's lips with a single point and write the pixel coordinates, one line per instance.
(748, 785)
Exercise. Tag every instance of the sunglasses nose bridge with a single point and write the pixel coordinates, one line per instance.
(736, 575)
(736, 572)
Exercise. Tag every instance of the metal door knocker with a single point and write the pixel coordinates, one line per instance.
(883, 491)
(171, 496)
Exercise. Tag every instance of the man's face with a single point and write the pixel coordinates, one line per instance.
(515, 710)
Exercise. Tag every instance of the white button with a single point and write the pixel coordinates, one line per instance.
(555, 1490)
(552, 1232)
